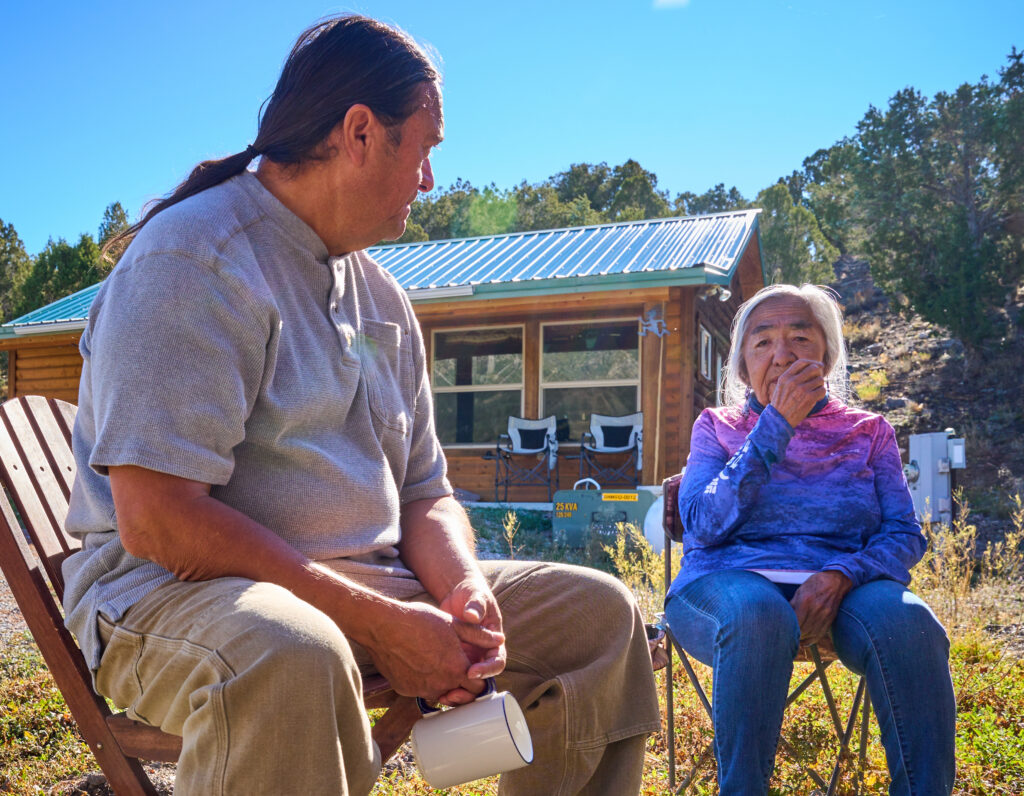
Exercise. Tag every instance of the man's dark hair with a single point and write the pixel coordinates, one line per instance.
(335, 64)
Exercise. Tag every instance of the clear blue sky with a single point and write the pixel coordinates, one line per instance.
(108, 101)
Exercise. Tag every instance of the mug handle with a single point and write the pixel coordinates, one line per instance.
(426, 710)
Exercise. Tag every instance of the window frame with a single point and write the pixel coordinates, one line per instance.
(555, 385)
(460, 388)
(706, 346)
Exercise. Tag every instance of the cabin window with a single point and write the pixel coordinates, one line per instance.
(705, 353)
(477, 377)
(587, 368)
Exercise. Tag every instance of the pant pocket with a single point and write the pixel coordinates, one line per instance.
(153, 677)
(117, 677)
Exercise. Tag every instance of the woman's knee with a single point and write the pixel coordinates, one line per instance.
(884, 614)
(765, 622)
(744, 609)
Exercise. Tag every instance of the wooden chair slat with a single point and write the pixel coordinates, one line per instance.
(49, 424)
(37, 452)
(36, 433)
(65, 415)
(17, 471)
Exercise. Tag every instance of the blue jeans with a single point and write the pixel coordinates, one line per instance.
(742, 625)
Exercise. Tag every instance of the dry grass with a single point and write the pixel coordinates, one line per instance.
(859, 333)
(868, 384)
(978, 598)
(970, 589)
(641, 569)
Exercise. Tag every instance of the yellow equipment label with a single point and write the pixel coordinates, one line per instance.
(630, 497)
(565, 510)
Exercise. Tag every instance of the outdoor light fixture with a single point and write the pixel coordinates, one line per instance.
(723, 293)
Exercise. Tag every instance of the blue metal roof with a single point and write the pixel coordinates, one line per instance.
(70, 309)
(692, 250)
(714, 242)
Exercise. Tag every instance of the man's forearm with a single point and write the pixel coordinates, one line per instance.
(175, 523)
(438, 544)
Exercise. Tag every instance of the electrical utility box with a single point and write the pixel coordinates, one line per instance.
(932, 460)
(578, 512)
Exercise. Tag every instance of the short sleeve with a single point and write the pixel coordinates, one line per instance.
(425, 474)
(177, 353)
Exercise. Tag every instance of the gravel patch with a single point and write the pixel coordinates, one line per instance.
(13, 630)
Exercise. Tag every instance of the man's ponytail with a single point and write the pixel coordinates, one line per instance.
(337, 63)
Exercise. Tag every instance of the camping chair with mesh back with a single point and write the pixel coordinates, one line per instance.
(37, 470)
(807, 653)
(527, 455)
(613, 436)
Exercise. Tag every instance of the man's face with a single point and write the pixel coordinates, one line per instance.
(404, 169)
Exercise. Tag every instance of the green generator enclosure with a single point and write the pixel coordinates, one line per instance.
(577, 512)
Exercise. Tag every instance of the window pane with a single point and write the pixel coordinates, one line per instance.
(578, 403)
(478, 356)
(474, 416)
(591, 352)
(498, 369)
(444, 372)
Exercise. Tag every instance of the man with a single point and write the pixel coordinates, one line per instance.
(262, 498)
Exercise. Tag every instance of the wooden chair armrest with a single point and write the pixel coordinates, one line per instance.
(393, 728)
(141, 740)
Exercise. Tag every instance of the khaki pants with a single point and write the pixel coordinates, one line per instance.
(266, 691)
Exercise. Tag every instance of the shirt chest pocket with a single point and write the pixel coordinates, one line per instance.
(385, 353)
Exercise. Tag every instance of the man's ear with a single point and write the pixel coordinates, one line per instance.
(354, 135)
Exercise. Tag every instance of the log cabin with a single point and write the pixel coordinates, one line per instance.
(613, 319)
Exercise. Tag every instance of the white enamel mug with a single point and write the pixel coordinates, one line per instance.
(484, 737)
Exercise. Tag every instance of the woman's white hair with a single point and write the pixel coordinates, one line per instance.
(823, 306)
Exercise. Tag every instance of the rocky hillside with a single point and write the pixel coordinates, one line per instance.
(918, 376)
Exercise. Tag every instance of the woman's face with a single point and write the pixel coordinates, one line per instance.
(780, 331)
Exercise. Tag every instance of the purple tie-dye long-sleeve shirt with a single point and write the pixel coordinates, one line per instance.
(831, 494)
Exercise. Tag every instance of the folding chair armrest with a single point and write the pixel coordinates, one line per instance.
(672, 522)
(551, 448)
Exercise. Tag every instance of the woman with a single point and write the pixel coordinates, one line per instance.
(787, 483)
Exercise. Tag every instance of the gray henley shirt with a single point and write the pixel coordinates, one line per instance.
(226, 347)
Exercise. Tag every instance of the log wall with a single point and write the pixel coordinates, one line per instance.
(49, 365)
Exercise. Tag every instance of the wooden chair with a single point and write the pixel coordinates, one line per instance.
(37, 470)
(807, 653)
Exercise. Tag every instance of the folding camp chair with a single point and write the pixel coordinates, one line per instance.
(534, 441)
(613, 436)
(37, 470)
(807, 653)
